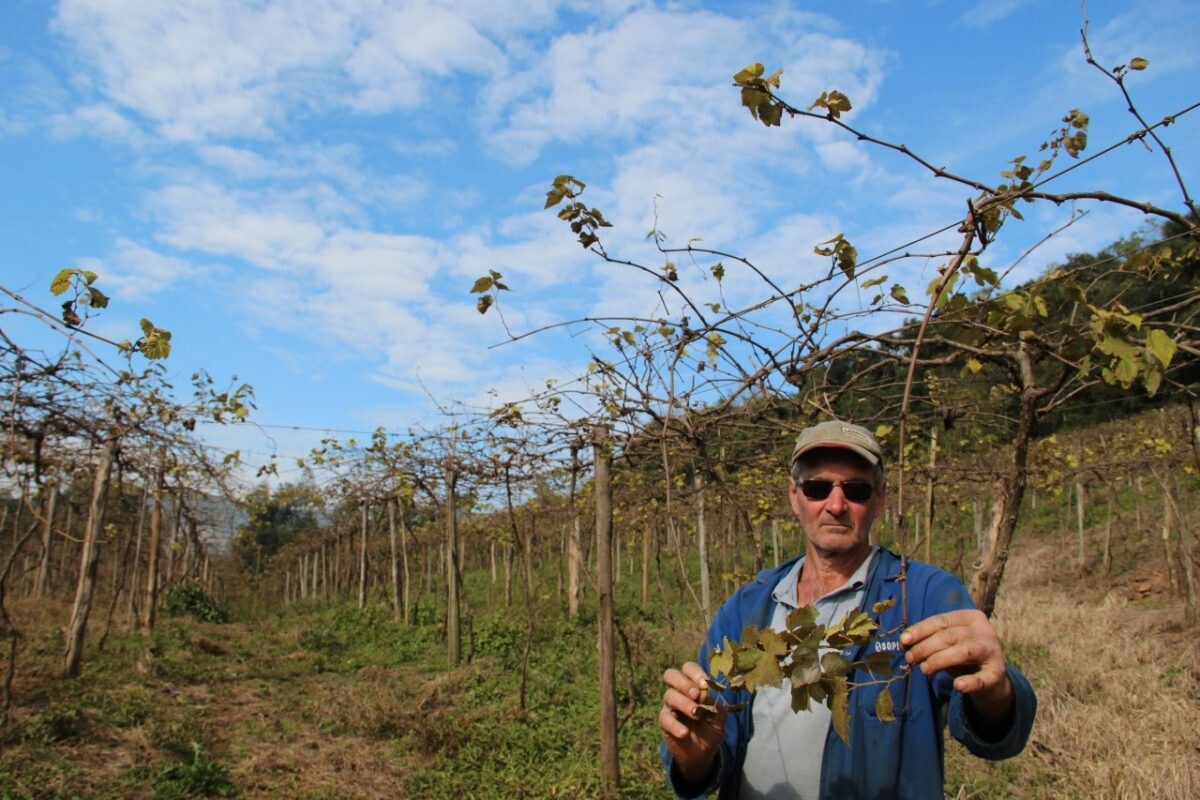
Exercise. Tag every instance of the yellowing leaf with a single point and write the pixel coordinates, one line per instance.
(883, 605)
(62, 281)
(749, 73)
(1139, 63)
(839, 705)
(1161, 346)
(765, 673)
(883, 706)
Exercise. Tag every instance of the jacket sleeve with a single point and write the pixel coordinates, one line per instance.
(1014, 740)
(949, 594)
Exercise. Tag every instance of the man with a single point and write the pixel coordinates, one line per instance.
(958, 677)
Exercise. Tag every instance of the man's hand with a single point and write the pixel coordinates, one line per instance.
(965, 644)
(693, 737)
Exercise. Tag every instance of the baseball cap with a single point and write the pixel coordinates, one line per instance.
(836, 433)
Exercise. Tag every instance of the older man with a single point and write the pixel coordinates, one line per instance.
(958, 677)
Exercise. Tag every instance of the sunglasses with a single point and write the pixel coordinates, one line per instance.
(820, 488)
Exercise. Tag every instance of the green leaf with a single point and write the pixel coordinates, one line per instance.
(1126, 372)
(96, 298)
(874, 282)
(1161, 346)
(482, 284)
(899, 295)
(1152, 380)
(801, 697)
(803, 617)
(156, 343)
(1139, 63)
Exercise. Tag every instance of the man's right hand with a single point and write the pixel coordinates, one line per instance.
(693, 736)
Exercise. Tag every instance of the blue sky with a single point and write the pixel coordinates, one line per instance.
(303, 191)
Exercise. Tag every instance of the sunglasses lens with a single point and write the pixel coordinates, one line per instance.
(816, 489)
(857, 491)
(854, 491)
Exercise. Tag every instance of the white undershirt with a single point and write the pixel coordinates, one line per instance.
(783, 757)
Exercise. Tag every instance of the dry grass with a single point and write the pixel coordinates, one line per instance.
(1117, 681)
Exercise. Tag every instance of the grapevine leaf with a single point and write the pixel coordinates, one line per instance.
(62, 281)
(96, 298)
(801, 695)
(883, 605)
(749, 73)
(878, 663)
(839, 705)
(771, 643)
(834, 663)
(765, 673)
(1138, 63)
(803, 617)
(1161, 346)
(883, 706)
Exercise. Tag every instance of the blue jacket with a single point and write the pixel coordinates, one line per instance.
(901, 759)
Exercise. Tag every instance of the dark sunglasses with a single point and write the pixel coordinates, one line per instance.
(820, 488)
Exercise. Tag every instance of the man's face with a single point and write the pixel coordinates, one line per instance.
(835, 526)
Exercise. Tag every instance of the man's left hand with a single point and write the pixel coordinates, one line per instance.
(965, 644)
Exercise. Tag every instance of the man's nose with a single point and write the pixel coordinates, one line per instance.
(836, 503)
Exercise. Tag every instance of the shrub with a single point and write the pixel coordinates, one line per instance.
(189, 598)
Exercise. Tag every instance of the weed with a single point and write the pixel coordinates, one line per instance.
(59, 723)
(200, 777)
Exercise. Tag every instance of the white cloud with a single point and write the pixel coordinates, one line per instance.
(225, 68)
(614, 81)
(136, 272)
(989, 11)
(97, 119)
(408, 45)
(222, 67)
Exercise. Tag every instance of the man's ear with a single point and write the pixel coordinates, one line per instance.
(794, 495)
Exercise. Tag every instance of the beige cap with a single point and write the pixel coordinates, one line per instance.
(836, 433)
